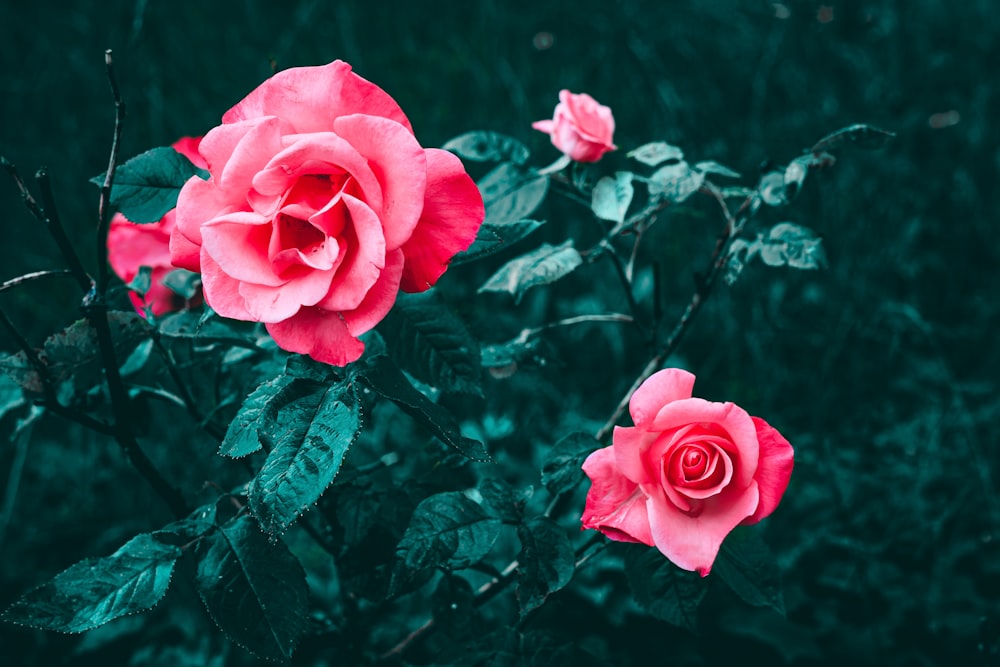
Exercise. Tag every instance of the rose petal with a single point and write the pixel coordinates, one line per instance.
(198, 201)
(543, 126)
(321, 334)
(400, 166)
(593, 120)
(236, 152)
(238, 242)
(692, 542)
(661, 388)
(307, 98)
(221, 291)
(453, 211)
(630, 446)
(188, 147)
(363, 248)
(774, 469)
(615, 505)
(131, 246)
(729, 417)
(379, 299)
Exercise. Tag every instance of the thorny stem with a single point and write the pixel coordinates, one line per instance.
(104, 206)
(54, 224)
(28, 277)
(186, 398)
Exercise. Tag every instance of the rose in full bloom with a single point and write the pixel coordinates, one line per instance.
(686, 474)
(580, 128)
(131, 246)
(320, 207)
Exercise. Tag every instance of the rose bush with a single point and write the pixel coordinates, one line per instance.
(686, 474)
(580, 127)
(131, 246)
(320, 207)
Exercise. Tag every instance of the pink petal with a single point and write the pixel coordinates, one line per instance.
(321, 334)
(692, 542)
(733, 421)
(197, 202)
(615, 505)
(379, 299)
(399, 164)
(188, 147)
(131, 246)
(266, 303)
(594, 121)
(453, 212)
(238, 242)
(774, 469)
(184, 254)
(221, 291)
(630, 447)
(236, 152)
(543, 126)
(661, 388)
(308, 98)
(364, 258)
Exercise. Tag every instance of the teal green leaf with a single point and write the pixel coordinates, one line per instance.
(562, 469)
(482, 146)
(867, 137)
(383, 376)
(713, 167)
(545, 564)
(663, 589)
(427, 338)
(313, 436)
(506, 501)
(494, 238)
(511, 193)
(252, 425)
(788, 244)
(447, 530)
(146, 187)
(11, 395)
(612, 195)
(654, 153)
(675, 182)
(541, 266)
(96, 591)
(184, 284)
(254, 588)
(748, 567)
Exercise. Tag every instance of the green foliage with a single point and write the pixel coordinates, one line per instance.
(541, 266)
(496, 237)
(654, 153)
(562, 469)
(252, 426)
(545, 563)
(511, 193)
(612, 195)
(661, 588)
(311, 437)
(488, 147)
(96, 591)
(253, 588)
(750, 569)
(428, 339)
(146, 187)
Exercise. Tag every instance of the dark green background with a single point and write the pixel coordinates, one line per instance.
(880, 370)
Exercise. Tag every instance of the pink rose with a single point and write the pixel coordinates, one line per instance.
(321, 206)
(131, 246)
(686, 474)
(581, 128)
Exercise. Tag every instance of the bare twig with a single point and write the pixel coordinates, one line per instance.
(104, 207)
(28, 277)
(54, 224)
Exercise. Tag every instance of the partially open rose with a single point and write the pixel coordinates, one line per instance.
(131, 246)
(580, 127)
(321, 205)
(686, 474)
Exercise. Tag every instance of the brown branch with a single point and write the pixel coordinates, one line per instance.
(104, 206)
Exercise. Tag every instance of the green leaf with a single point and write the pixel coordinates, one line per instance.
(507, 503)
(612, 195)
(511, 193)
(184, 284)
(493, 238)
(447, 530)
(146, 187)
(316, 431)
(253, 424)
(427, 338)
(254, 589)
(541, 266)
(867, 137)
(545, 564)
(656, 152)
(562, 469)
(748, 567)
(383, 376)
(663, 589)
(74, 353)
(713, 167)
(793, 245)
(96, 591)
(675, 182)
(454, 606)
(484, 146)
(142, 281)
(503, 359)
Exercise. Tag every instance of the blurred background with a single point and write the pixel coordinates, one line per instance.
(879, 369)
